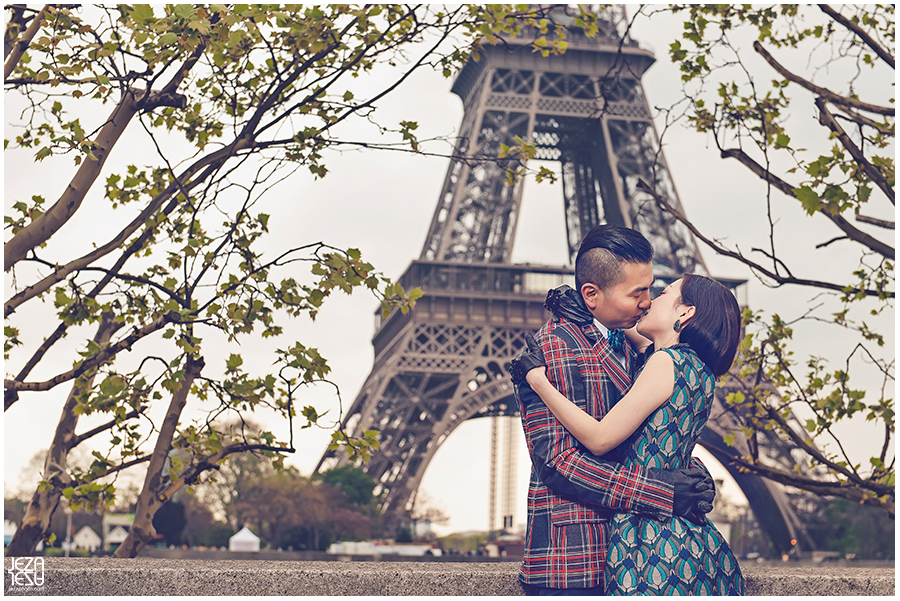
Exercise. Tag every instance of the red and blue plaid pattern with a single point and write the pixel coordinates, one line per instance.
(572, 493)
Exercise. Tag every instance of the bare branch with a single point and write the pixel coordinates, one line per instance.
(860, 32)
(888, 225)
(643, 186)
(820, 91)
(107, 426)
(824, 244)
(886, 129)
(845, 226)
(121, 467)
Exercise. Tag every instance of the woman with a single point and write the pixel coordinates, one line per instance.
(694, 326)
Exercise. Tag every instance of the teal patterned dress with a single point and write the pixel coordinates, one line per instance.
(674, 556)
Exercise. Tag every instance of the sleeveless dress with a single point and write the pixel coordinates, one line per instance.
(674, 556)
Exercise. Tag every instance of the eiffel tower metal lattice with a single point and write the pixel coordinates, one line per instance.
(444, 362)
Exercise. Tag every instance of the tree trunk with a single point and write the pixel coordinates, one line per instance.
(44, 502)
(152, 497)
(41, 229)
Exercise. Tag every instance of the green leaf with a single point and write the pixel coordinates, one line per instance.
(233, 362)
(167, 39)
(808, 198)
(142, 13)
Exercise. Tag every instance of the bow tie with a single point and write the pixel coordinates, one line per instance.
(616, 339)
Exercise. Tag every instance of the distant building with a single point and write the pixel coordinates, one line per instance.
(115, 538)
(244, 540)
(86, 538)
(508, 545)
(116, 527)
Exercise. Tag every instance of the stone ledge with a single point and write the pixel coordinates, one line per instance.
(147, 576)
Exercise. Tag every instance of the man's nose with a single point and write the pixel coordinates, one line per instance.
(644, 303)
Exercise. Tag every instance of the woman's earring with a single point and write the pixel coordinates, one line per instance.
(677, 326)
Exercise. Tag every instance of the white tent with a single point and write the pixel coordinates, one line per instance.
(244, 541)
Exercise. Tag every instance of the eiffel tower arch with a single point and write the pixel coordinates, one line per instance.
(445, 362)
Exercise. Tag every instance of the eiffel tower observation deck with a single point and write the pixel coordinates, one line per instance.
(445, 362)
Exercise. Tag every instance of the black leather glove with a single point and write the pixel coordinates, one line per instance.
(531, 356)
(694, 492)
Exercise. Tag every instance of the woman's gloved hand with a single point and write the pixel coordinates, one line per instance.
(531, 357)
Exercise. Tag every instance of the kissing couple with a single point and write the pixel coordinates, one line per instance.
(614, 392)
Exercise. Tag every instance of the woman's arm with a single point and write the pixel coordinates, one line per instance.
(652, 388)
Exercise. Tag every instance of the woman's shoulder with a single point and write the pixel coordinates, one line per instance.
(684, 357)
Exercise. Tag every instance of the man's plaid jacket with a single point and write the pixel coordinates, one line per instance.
(572, 493)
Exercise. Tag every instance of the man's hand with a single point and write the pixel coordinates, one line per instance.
(693, 495)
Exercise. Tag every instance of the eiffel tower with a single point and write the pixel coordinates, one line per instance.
(444, 362)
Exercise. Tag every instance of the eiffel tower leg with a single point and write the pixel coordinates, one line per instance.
(492, 483)
(441, 364)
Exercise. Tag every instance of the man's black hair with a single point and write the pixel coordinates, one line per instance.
(603, 251)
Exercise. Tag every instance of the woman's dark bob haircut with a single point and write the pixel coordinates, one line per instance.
(714, 331)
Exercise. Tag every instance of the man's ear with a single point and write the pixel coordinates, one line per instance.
(592, 295)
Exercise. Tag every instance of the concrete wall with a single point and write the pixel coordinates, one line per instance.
(150, 576)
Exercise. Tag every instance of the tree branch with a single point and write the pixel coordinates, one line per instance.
(888, 225)
(41, 229)
(845, 226)
(108, 425)
(45, 226)
(833, 240)
(851, 115)
(828, 120)
(23, 42)
(642, 185)
(860, 32)
(209, 163)
(190, 474)
(820, 91)
(97, 359)
(852, 492)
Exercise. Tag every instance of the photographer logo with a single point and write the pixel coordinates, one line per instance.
(27, 571)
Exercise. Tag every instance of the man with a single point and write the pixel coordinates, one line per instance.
(572, 493)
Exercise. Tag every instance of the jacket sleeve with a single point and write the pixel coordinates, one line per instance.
(566, 467)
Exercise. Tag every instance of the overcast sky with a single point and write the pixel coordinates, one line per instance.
(382, 203)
